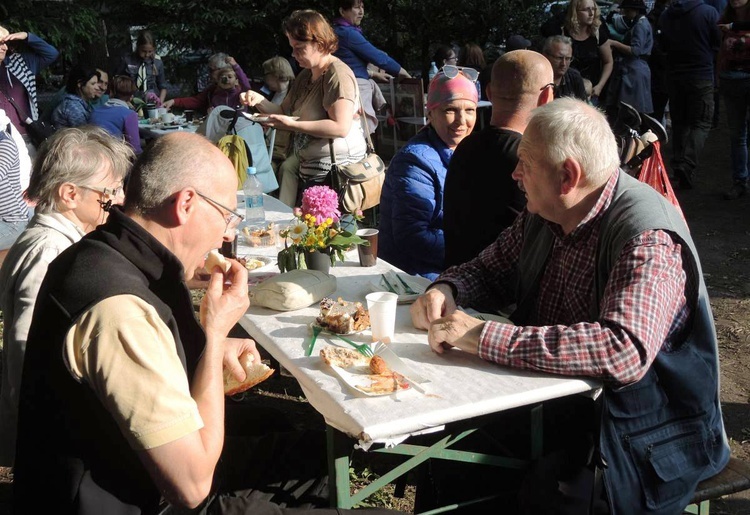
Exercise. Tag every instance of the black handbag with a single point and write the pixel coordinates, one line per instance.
(37, 130)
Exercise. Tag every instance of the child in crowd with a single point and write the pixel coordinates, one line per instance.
(278, 76)
(230, 82)
(116, 116)
(145, 67)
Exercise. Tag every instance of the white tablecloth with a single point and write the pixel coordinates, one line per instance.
(461, 386)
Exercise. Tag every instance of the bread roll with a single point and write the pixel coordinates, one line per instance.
(343, 357)
(215, 259)
(256, 373)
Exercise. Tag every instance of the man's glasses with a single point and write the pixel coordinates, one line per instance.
(232, 220)
(452, 72)
(107, 195)
(550, 85)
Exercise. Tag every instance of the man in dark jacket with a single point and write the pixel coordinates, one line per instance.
(608, 285)
(122, 406)
(690, 37)
(481, 198)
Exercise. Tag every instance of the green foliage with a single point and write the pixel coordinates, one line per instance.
(250, 30)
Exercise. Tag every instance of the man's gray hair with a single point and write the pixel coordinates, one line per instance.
(563, 40)
(569, 128)
(75, 155)
(168, 165)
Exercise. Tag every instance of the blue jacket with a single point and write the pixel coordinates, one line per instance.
(690, 37)
(411, 206)
(356, 51)
(73, 111)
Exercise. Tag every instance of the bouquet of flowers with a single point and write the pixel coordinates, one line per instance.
(316, 228)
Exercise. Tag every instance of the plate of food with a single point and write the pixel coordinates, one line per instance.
(261, 118)
(407, 287)
(253, 263)
(260, 236)
(382, 374)
(342, 317)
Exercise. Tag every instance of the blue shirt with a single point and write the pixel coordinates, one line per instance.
(357, 52)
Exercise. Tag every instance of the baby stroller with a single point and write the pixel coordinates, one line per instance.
(639, 138)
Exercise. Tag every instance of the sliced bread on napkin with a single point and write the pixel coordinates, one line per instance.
(293, 290)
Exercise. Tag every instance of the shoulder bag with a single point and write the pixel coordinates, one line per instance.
(37, 130)
(358, 184)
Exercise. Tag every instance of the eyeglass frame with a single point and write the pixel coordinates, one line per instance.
(109, 192)
(233, 215)
(469, 73)
(549, 85)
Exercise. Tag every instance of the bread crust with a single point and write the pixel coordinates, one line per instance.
(255, 373)
(344, 358)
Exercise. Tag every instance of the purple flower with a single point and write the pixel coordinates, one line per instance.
(321, 202)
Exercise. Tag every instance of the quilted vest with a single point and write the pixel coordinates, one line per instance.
(71, 456)
(663, 434)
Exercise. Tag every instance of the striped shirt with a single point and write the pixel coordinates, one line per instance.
(643, 309)
(12, 206)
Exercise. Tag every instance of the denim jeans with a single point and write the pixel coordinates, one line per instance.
(9, 232)
(736, 93)
(691, 106)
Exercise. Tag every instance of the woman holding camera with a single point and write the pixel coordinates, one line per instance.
(230, 82)
(320, 108)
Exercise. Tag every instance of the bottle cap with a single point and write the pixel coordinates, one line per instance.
(251, 170)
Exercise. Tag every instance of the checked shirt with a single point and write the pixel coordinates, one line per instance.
(643, 308)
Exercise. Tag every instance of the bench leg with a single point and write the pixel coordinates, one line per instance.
(699, 509)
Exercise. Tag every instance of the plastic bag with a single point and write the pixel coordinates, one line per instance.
(654, 173)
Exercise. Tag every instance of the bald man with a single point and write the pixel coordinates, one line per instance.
(122, 399)
(481, 199)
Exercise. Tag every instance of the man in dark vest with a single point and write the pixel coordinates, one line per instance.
(607, 284)
(122, 405)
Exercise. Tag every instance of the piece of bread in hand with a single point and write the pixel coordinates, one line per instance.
(256, 373)
(344, 358)
(215, 259)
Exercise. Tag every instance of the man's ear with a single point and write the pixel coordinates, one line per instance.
(546, 96)
(570, 176)
(184, 206)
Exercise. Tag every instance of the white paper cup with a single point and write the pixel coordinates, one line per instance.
(382, 308)
(161, 110)
(167, 117)
(153, 113)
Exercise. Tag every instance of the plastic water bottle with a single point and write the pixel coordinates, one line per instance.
(254, 212)
(433, 71)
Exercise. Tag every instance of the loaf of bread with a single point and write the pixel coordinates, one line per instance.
(256, 373)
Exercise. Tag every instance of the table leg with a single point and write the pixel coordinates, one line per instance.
(537, 431)
(339, 446)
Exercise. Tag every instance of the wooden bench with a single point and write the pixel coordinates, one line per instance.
(734, 478)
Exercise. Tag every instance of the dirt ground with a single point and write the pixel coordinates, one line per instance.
(721, 230)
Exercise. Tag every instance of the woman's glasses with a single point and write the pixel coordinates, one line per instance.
(108, 194)
(452, 72)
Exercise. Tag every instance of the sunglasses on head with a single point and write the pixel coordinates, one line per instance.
(452, 72)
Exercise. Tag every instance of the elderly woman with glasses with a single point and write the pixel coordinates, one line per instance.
(592, 54)
(320, 108)
(411, 204)
(77, 177)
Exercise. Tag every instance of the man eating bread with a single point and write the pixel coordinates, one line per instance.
(122, 406)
